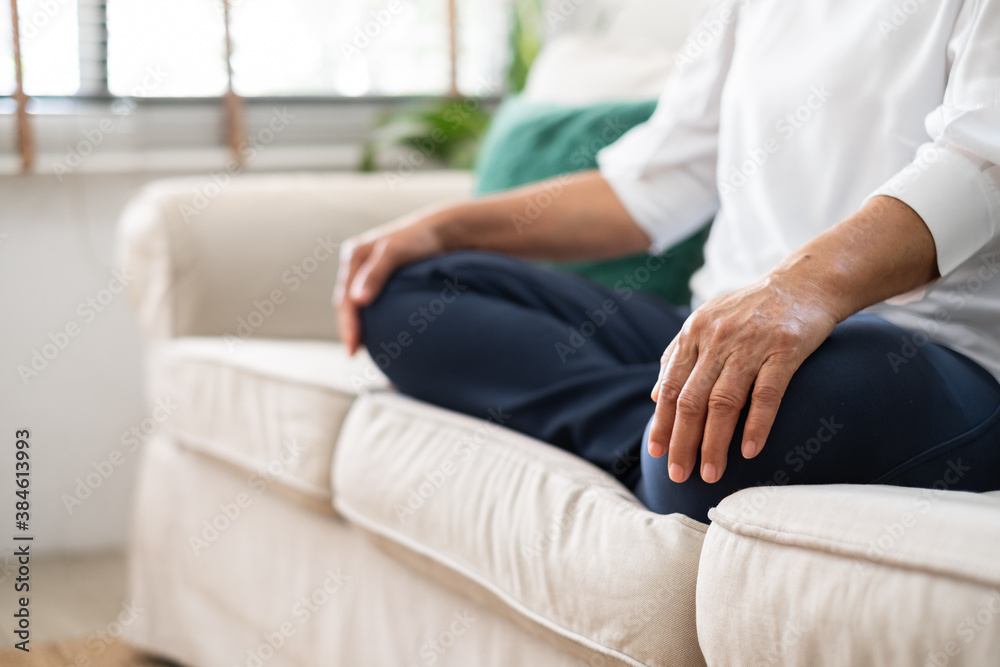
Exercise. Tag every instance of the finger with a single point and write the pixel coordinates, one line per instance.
(372, 275)
(725, 403)
(664, 360)
(348, 318)
(675, 374)
(768, 390)
(349, 323)
(690, 414)
(352, 255)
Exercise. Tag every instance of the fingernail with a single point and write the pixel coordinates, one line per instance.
(676, 472)
(656, 450)
(749, 449)
(709, 473)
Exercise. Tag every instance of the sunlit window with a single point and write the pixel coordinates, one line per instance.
(6, 52)
(176, 48)
(317, 47)
(483, 47)
(303, 47)
(49, 47)
(166, 48)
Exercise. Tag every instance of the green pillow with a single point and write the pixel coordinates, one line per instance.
(532, 141)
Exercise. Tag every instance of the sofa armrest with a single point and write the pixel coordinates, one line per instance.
(255, 255)
(852, 575)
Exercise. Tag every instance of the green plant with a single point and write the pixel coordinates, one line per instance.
(447, 131)
(525, 41)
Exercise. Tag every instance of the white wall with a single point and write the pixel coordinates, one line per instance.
(56, 252)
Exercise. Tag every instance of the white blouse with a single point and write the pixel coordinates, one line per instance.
(783, 117)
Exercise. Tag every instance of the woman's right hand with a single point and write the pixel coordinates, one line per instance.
(366, 262)
(583, 220)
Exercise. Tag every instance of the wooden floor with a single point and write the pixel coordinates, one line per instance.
(72, 597)
(77, 652)
(75, 601)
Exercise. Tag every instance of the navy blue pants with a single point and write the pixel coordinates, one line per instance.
(572, 363)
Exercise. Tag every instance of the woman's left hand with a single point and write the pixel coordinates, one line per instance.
(757, 337)
(751, 339)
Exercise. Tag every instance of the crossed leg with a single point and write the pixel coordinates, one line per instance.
(572, 363)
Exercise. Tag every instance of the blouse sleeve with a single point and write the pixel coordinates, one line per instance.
(664, 170)
(953, 182)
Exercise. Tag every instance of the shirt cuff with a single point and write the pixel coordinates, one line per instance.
(669, 206)
(957, 201)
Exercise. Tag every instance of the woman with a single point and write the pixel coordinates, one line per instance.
(845, 325)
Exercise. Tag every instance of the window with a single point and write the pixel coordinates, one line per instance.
(49, 47)
(324, 50)
(6, 52)
(166, 48)
(317, 47)
(303, 47)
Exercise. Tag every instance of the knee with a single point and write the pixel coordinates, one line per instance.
(417, 292)
(386, 316)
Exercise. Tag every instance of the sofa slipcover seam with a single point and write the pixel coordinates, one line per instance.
(208, 447)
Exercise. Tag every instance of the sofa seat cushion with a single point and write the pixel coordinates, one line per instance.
(852, 575)
(272, 408)
(539, 535)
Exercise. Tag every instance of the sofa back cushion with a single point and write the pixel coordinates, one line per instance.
(530, 141)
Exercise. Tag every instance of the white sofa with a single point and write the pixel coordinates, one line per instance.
(294, 510)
